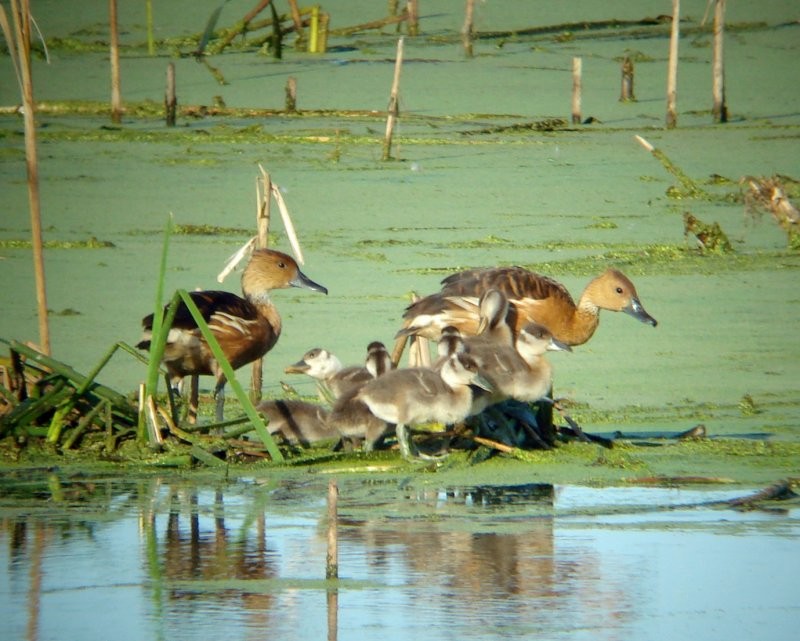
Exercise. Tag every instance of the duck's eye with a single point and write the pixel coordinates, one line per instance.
(282, 265)
(619, 290)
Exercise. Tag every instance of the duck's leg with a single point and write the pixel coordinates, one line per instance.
(219, 396)
(404, 441)
(194, 402)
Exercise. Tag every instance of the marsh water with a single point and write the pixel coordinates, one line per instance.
(170, 558)
(174, 556)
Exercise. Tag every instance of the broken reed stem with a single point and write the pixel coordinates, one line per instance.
(332, 559)
(689, 185)
(720, 109)
(577, 70)
(672, 68)
(468, 30)
(393, 109)
(626, 92)
(170, 99)
(116, 95)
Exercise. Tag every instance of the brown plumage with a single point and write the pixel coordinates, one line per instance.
(532, 298)
(245, 328)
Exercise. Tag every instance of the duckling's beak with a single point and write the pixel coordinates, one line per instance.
(301, 280)
(636, 310)
(481, 381)
(558, 346)
(300, 367)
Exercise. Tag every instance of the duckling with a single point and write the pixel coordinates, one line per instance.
(297, 422)
(327, 369)
(421, 395)
(520, 372)
(245, 328)
(532, 297)
(350, 417)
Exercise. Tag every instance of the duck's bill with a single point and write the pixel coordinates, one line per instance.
(301, 280)
(636, 310)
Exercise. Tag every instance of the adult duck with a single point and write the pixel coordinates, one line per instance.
(532, 297)
(245, 328)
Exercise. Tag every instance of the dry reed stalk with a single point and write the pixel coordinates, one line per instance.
(297, 20)
(577, 71)
(394, 107)
(19, 46)
(672, 69)
(468, 30)
(116, 94)
(151, 43)
(412, 13)
(263, 193)
(719, 109)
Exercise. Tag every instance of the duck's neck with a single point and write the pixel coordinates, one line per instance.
(266, 309)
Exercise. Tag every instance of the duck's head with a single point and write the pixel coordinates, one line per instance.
(269, 269)
(614, 291)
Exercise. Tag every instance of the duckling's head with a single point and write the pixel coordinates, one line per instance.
(614, 291)
(463, 369)
(318, 363)
(536, 339)
(378, 361)
(269, 269)
(450, 342)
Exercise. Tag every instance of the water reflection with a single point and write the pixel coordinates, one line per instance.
(168, 558)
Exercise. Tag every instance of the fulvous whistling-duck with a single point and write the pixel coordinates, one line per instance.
(245, 328)
(421, 395)
(531, 296)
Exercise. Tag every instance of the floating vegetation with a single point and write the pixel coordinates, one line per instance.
(91, 243)
(190, 229)
(710, 238)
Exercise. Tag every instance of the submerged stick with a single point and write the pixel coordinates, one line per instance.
(626, 92)
(170, 99)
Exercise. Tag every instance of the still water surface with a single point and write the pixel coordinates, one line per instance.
(173, 558)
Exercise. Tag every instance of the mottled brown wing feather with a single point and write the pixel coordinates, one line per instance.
(208, 302)
(514, 282)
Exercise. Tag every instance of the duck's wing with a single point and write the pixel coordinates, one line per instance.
(428, 316)
(516, 283)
